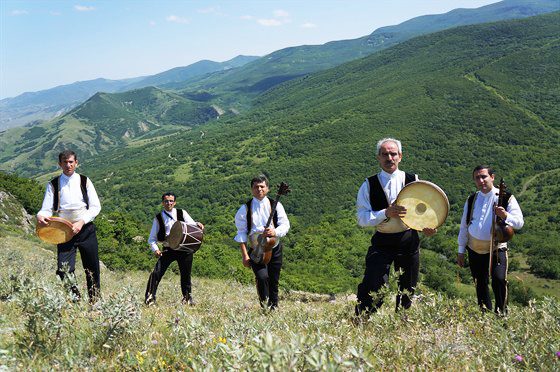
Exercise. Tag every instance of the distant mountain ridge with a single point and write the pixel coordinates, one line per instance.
(261, 74)
(50, 103)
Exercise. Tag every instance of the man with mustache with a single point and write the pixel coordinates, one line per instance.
(375, 204)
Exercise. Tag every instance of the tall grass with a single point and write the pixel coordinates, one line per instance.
(41, 328)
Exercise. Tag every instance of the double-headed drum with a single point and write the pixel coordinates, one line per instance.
(185, 237)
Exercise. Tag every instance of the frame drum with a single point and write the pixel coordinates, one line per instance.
(58, 231)
(185, 237)
(426, 205)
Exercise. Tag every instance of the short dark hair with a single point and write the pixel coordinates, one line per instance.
(168, 194)
(66, 154)
(481, 167)
(258, 179)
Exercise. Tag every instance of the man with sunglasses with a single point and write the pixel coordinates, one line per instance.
(161, 227)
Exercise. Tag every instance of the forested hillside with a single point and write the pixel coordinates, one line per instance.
(485, 93)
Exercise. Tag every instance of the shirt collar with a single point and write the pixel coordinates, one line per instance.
(395, 174)
(74, 175)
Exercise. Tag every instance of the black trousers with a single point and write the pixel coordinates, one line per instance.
(479, 270)
(86, 242)
(401, 249)
(267, 278)
(184, 260)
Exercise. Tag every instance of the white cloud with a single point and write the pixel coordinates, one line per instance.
(309, 25)
(56, 14)
(176, 19)
(83, 8)
(209, 10)
(19, 12)
(281, 13)
(247, 17)
(269, 22)
(152, 23)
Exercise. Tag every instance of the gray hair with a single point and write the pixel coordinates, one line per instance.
(381, 142)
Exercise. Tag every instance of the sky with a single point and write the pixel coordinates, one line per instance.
(47, 43)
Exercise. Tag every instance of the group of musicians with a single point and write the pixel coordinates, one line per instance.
(73, 197)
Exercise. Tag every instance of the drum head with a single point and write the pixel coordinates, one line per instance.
(426, 205)
(58, 231)
(184, 237)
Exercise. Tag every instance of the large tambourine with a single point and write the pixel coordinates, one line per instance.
(185, 237)
(426, 205)
(58, 231)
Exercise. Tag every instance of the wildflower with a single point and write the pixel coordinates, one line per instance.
(518, 358)
(558, 354)
(177, 320)
(154, 342)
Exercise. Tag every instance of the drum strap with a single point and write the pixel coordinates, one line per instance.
(472, 199)
(56, 187)
(377, 197)
(161, 230)
(250, 215)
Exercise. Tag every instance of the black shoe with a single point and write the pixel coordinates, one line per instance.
(188, 300)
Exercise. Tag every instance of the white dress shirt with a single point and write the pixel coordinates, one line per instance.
(167, 223)
(392, 184)
(259, 216)
(72, 205)
(481, 225)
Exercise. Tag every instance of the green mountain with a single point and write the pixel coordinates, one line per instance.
(237, 88)
(104, 121)
(32, 107)
(475, 94)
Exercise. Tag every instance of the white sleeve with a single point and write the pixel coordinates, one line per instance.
(514, 214)
(152, 240)
(283, 222)
(367, 216)
(188, 219)
(241, 224)
(46, 208)
(93, 201)
(463, 230)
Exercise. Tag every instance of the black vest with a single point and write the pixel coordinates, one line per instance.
(161, 230)
(377, 197)
(250, 215)
(55, 182)
(470, 205)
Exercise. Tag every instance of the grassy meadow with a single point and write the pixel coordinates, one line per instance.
(41, 328)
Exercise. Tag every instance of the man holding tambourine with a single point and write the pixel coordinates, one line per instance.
(181, 237)
(73, 197)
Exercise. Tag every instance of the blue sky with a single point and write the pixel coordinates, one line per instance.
(45, 43)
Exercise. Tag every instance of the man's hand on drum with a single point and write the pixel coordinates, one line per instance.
(158, 253)
(395, 211)
(201, 226)
(42, 220)
(428, 231)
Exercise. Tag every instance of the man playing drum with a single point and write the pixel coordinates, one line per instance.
(375, 206)
(74, 198)
(250, 219)
(475, 236)
(161, 227)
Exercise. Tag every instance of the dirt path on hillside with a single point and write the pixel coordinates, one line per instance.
(526, 183)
